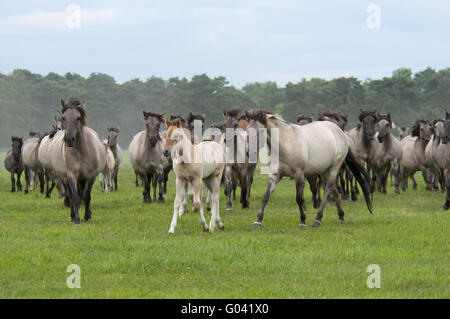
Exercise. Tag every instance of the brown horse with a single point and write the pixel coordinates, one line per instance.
(31, 164)
(13, 162)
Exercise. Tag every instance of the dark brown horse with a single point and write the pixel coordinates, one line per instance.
(13, 162)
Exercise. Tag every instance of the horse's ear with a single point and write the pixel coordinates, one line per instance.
(225, 113)
(161, 117)
(178, 122)
(167, 122)
(247, 115)
(204, 116)
(145, 114)
(415, 129)
(63, 104)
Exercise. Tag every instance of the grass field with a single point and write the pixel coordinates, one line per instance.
(125, 251)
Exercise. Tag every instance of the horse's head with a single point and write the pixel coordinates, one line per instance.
(257, 118)
(304, 119)
(423, 130)
(113, 133)
(16, 144)
(446, 134)
(368, 120)
(384, 126)
(403, 132)
(195, 117)
(183, 121)
(174, 136)
(73, 118)
(152, 125)
(335, 117)
(231, 118)
(438, 126)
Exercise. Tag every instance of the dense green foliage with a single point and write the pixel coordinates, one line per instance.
(29, 101)
(126, 252)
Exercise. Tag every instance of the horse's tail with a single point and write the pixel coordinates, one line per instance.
(362, 176)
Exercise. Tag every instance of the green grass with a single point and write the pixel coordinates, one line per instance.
(125, 251)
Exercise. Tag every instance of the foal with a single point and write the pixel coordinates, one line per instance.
(13, 162)
(195, 164)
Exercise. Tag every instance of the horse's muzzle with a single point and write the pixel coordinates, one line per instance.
(70, 141)
(166, 153)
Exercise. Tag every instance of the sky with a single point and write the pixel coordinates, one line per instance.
(245, 41)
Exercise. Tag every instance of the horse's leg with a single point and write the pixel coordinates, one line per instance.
(447, 186)
(18, 182)
(87, 199)
(184, 198)
(342, 189)
(272, 182)
(116, 173)
(146, 188)
(228, 187)
(176, 204)
(426, 177)
(75, 198)
(243, 174)
(154, 182)
(137, 180)
(330, 178)
(251, 173)
(40, 174)
(160, 176)
(201, 212)
(235, 185)
(27, 179)
(312, 181)
(396, 172)
(300, 185)
(13, 181)
(442, 179)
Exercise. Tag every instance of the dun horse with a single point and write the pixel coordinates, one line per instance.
(13, 162)
(84, 157)
(146, 152)
(318, 148)
(113, 133)
(31, 164)
(388, 153)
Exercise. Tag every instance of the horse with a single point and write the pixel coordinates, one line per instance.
(318, 148)
(13, 162)
(430, 151)
(31, 164)
(237, 167)
(363, 137)
(84, 157)
(388, 153)
(106, 175)
(145, 152)
(196, 164)
(413, 157)
(113, 133)
(446, 160)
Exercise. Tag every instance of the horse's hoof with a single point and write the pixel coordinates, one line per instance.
(302, 226)
(341, 221)
(354, 197)
(208, 208)
(446, 205)
(228, 210)
(47, 195)
(257, 225)
(316, 223)
(171, 231)
(26, 191)
(161, 200)
(221, 226)
(397, 192)
(205, 228)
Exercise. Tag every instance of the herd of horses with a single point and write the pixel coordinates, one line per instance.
(71, 156)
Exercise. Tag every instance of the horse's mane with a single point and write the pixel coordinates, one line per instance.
(308, 118)
(438, 120)
(415, 129)
(233, 113)
(364, 114)
(16, 139)
(191, 117)
(52, 133)
(386, 117)
(173, 117)
(78, 105)
(114, 129)
(148, 114)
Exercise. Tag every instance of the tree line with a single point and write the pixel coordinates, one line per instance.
(29, 101)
